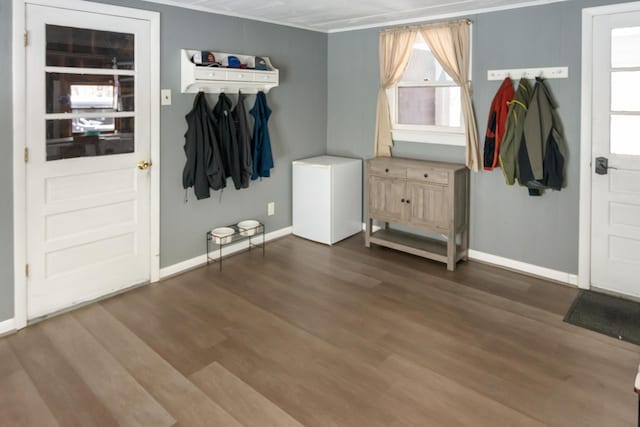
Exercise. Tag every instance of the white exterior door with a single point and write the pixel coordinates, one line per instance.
(88, 126)
(615, 201)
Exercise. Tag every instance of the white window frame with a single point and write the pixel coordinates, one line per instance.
(425, 134)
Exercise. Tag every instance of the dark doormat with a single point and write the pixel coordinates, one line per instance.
(609, 315)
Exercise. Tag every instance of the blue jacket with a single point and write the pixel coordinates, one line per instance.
(262, 157)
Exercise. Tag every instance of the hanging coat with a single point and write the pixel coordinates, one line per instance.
(496, 124)
(514, 131)
(203, 168)
(226, 133)
(243, 137)
(262, 157)
(542, 153)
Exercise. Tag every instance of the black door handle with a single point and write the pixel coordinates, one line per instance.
(602, 166)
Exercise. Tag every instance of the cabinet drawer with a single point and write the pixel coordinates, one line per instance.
(210, 73)
(242, 76)
(388, 170)
(434, 176)
(265, 77)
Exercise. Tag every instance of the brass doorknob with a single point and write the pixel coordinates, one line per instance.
(143, 164)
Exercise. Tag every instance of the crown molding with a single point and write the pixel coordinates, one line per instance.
(382, 23)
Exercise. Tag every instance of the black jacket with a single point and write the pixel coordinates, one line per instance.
(243, 136)
(226, 133)
(203, 168)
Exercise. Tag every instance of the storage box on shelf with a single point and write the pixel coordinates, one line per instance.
(425, 196)
(198, 78)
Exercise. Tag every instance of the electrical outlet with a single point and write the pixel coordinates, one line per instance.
(271, 208)
(165, 97)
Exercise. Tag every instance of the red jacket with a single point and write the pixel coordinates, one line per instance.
(496, 124)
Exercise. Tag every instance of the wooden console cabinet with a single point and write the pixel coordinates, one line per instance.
(425, 196)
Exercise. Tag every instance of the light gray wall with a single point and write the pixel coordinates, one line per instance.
(297, 126)
(6, 166)
(505, 221)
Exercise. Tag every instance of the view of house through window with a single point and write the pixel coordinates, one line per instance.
(426, 99)
(94, 98)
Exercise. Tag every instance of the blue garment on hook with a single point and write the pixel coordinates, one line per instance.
(262, 157)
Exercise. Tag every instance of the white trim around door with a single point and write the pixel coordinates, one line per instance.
(584, 246)
(19, 138)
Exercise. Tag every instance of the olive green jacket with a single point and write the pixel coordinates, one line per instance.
(514, 131)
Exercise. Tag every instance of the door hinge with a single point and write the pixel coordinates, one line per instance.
(26, 38)
(26, 270)
(26, 154)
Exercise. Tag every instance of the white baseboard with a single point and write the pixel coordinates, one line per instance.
(518, 266)
(373, 229)
(526, 268)
(510, 264)
(7, 326)
(230, 249)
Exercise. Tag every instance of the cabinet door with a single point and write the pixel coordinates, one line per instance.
(428, 205)
(386, 199)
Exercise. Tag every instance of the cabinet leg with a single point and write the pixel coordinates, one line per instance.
(465, 244)
(367, 232)
(451, 251)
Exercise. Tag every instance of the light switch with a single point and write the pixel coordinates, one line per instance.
(165, 97)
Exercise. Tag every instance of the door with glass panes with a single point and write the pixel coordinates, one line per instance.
(88, 141)
(615, 173)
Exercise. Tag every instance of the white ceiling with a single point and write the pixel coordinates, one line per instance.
(341, 15)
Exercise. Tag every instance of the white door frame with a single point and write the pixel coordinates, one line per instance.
(19, 138)
(584, 247)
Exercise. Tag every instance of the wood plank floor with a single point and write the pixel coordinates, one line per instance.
(321, 336)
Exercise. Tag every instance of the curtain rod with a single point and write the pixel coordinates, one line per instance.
(427, 25)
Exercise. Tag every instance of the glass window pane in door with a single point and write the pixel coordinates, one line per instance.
(625, 91)
(625, 134)
(76, 93)
(86, 48)
(89, 137)
(624, 47)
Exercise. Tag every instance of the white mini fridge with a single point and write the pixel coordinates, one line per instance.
(327, 198)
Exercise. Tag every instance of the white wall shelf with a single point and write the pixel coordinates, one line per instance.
(529, 73)
(196, 78)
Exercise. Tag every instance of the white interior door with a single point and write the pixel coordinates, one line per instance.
(615, 217)
(88, 115)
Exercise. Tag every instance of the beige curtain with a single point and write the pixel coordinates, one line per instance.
(449, 43)
(395, 52)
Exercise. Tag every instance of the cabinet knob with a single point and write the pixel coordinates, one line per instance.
(386, 170)
(402, 200)
(426, 175)
(408, 201)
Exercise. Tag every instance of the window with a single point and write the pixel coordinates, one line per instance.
(90, 92)
(425, 104)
